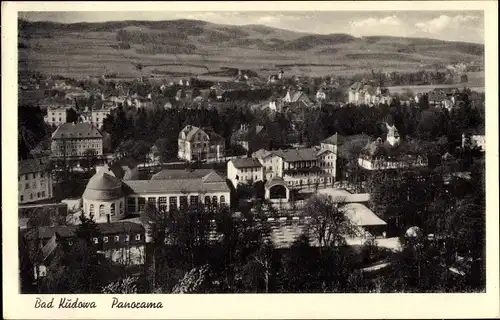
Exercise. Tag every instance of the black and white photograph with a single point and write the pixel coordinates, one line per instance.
(237, 152)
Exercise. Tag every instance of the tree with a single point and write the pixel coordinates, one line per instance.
(194, 281)
(299, 267)
(328, 222)
(90, 159)
(259, 268)
(124, 286)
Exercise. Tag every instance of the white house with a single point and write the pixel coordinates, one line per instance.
(200, 144)
(34, 180)
(244, 170)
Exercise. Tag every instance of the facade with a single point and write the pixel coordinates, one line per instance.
(305, 167)
(72, 140)
(97, 116)
(298, 98)
(35, 180)
(244, 170)
(56, 115)
(122, 242)
(360, 93)
(111, 197)
(250, 137)
(379, 155)
(200, 144)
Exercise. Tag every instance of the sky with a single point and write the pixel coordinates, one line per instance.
(444, 25)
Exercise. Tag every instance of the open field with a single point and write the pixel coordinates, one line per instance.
(78, 51)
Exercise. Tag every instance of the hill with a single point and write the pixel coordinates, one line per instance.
(82, 49)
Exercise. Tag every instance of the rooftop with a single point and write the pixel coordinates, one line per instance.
(167, 174)
(246, 163)
(176, 186)
(361, 215)
(70, 230)
(335, 139)
(33, 165)
(76, 130)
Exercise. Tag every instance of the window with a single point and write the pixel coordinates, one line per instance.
(25, 177)
(53, 119)
(222, 200)
(112, 209)
(152, 201)
(70, 242)
(183, 202)
(38, 194)
(172, 203)
(22, 198)
(193, 201)
(27, 186)
(31, 196)
(207, 200)
(162, 203)
(138, 237)
(121, 208)
(127, 237)
(42, 183)
(117, 238)
(60, 119)
(33, 184)
(214, 200)
(105, 239)
(131, 205)
(91, 209)
(101, 210)
(42, 174)
(95, 240)
(142, 203)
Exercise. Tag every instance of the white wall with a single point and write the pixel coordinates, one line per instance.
(102, 218)
(34, 186)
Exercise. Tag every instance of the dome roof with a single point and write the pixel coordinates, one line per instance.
(103, 186)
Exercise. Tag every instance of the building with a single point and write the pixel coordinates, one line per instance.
(34, 180)
(244, 170)
(250, 137)
(304, 167)
(379, 155)
(71, 140)
(296, 98)
(200, 144)
(111, 197)
(360, 93)
(332, 142)
(122, 242)
(97, 116)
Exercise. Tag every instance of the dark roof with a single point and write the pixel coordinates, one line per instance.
(181, 174)
(70, 230)
(246, 163)
(335, 139)
(76, 130)
(33, 165)
(176, 186)
(275, 181)
(291, 155)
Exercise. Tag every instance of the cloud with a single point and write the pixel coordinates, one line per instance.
(373, 22)
(444, 22)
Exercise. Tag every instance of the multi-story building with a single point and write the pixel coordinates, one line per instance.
(200, 144)
(71, 140)
(305, 167)
(122, 242)
(250, 137)
(35, 180)
(111, 197)
(360, 93)
(56, 115)
(97, 116)
(244, 170)
(380, 155)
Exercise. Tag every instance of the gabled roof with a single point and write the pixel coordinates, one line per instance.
(261, 154)
(246, 163)
(33, 165)
(76, 130)
(292, 155)
(335, 139)
(191, 131)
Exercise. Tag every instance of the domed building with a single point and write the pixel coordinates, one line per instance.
(104, 198)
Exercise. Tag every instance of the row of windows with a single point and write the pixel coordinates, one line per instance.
(33, 185)
(172, 202)
(244, 170)
(117, 238)
(102, 211)
(33, 176)
(38, 195)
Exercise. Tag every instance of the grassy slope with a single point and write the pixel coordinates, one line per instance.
(84, 49)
